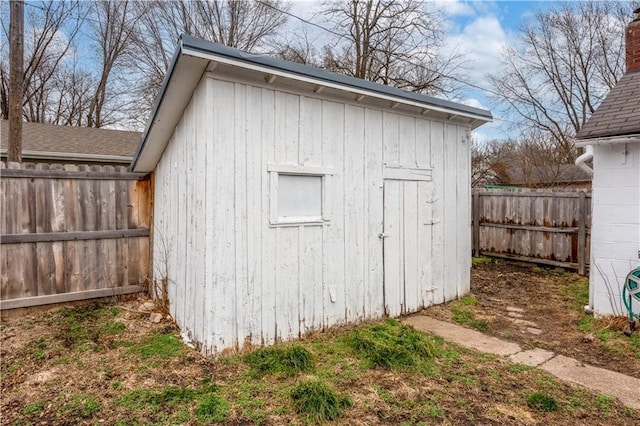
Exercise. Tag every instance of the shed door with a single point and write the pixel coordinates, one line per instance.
(408, 222)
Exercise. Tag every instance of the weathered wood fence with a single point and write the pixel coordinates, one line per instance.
(71, 233)
(542, 226)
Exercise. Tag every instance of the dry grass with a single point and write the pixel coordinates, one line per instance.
(104, 365)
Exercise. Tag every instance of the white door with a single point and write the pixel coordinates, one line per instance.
(408, 222)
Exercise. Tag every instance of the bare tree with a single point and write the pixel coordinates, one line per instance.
(114, 23)
(50, 31)
(246, 25)
(570, 57)
(394, 42)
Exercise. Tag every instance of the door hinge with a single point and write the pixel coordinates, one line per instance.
(382, 235)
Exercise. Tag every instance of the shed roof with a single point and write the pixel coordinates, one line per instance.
(53, 142)
(618, 114)
(194, 55)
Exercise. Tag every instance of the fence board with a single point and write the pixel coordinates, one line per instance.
(71, 232)
(542, 226)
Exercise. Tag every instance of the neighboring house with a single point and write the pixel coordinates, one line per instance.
(612, 137)
(50, 143)
(288, 199)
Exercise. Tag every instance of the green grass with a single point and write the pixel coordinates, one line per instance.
(113, 328)
(541, 402)
(209, 405)
(462, 313)
(318, 401)
(81, 406)
(86, 326)
(157, 346)
(212, 408)
(286, 360)
(393, 345)
(483, 260)
(33, 408)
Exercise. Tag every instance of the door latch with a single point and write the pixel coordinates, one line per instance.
(382, 235)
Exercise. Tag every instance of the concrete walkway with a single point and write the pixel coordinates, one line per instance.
(602, 381)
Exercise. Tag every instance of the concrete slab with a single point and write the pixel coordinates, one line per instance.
(463, 336)
(606, 382)
(532, 358)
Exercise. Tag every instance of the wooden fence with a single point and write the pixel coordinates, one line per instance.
(71, 233)
(542, 226)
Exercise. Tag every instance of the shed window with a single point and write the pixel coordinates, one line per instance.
(298, 195)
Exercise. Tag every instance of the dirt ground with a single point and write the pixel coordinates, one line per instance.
(108, 364)
(517, 301)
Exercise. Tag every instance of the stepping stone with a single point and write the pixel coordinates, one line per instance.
(533, 330)
(532, 358)
(514, 309)
(463, 336)
(515, 314)
(606, 382)
(525, 323)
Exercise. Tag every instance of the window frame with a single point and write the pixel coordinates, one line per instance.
(275, 170)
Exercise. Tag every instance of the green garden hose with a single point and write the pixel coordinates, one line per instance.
(631, 290)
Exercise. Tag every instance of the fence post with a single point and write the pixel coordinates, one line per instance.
(582, 234)
(475, 212)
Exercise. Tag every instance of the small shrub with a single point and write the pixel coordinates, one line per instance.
(317, 400)
(286, 360)
(542, 402)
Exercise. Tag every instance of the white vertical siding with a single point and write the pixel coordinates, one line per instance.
(236, 279)
(615, 233)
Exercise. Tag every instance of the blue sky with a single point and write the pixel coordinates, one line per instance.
(481, 29)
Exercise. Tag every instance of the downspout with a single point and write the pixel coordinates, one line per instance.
(581, 162)
(586, 156)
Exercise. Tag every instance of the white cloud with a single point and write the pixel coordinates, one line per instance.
(455, 8)
(482, 41)
(473, 103)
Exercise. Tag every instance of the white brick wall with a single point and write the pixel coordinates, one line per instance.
(615, 236)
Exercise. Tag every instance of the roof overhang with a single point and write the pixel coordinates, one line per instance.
(194, 57)
(609, 140)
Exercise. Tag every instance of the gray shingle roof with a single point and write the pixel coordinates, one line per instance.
(619, 113)
(73, 140)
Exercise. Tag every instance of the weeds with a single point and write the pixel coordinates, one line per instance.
(317, 400)
(286, 360)
(394, 345)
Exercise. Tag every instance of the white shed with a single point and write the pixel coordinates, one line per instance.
(612, 137)
(288, 199)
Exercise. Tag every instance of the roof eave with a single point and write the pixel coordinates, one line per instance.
(193, 57)
(607, 140)
(72, 156)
